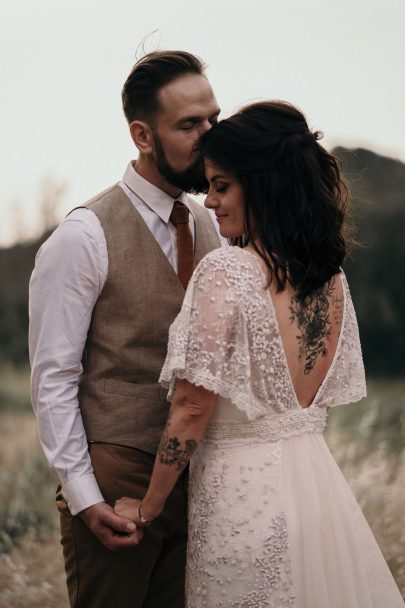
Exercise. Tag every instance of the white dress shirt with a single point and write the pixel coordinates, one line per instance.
(70, 271)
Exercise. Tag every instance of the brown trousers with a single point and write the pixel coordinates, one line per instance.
(150, 575)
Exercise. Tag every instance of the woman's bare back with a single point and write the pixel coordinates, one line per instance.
(309, 330)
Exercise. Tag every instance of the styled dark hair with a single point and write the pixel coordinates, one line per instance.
(149, 75)
(295, 197)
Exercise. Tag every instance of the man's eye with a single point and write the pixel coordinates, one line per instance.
(187, 127)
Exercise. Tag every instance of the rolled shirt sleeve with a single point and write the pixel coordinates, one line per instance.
(69, 274)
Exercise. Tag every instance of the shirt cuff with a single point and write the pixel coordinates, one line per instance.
(81, 493)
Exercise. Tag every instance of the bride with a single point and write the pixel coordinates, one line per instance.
(265, 343)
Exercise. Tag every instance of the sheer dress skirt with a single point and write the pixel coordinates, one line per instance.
(275, 524)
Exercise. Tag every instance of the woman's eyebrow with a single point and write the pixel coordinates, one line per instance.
(215, 177)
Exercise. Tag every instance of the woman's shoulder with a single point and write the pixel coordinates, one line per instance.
(232, 262)
(216, 256)
(231, 272)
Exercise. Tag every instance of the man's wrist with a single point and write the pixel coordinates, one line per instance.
(81, 493)
(90, 508)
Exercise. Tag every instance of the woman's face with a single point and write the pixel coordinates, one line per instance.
(226, 198)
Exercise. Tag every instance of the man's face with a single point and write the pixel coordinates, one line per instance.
(188, 109)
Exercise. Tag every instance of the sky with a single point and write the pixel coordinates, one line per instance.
(63, 64)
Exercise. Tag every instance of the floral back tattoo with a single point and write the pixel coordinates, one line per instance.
(312, 317)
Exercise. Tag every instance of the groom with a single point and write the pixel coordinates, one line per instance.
(106, 287)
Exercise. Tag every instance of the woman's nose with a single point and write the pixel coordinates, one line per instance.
(210, 201)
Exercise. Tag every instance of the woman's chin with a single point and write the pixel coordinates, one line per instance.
(229, 234)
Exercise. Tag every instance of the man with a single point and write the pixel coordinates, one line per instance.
(106, 287)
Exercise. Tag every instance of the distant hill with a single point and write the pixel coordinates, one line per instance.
(374, 179)
(375, 269)
(16, 264)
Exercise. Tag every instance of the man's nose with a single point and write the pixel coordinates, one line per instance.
(205, 126)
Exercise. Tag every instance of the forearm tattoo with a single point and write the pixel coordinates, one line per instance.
(312, 317)
(172, 454)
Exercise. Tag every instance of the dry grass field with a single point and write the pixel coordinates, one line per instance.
(367, 440)
(31, 566)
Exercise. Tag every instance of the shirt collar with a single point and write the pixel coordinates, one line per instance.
(157, 200)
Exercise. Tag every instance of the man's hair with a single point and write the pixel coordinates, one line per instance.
(149, 75)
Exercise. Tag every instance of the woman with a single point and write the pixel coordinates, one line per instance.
(266, 341)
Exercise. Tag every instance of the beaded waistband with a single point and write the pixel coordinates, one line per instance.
(269, 428)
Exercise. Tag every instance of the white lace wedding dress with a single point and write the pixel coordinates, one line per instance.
(272, 521)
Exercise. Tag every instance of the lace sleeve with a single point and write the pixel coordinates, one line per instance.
(208, 344)
(347, 384)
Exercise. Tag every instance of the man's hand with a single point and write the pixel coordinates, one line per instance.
(112, 530)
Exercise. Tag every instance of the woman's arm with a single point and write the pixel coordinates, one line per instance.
(191, 409)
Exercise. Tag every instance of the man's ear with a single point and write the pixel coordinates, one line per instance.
(141, 134)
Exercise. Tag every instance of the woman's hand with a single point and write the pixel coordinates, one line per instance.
(131, 509)
(129, 506)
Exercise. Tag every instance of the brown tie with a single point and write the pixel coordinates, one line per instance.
(179, 217)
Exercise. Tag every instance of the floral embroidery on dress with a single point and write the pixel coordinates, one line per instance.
(238, 541)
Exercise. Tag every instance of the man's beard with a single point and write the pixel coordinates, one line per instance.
(191, 180)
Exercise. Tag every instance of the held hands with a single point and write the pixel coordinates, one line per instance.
(133, 509)
(114, 531)
(129, 508)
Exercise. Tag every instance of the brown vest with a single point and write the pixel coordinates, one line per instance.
(120, 399)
